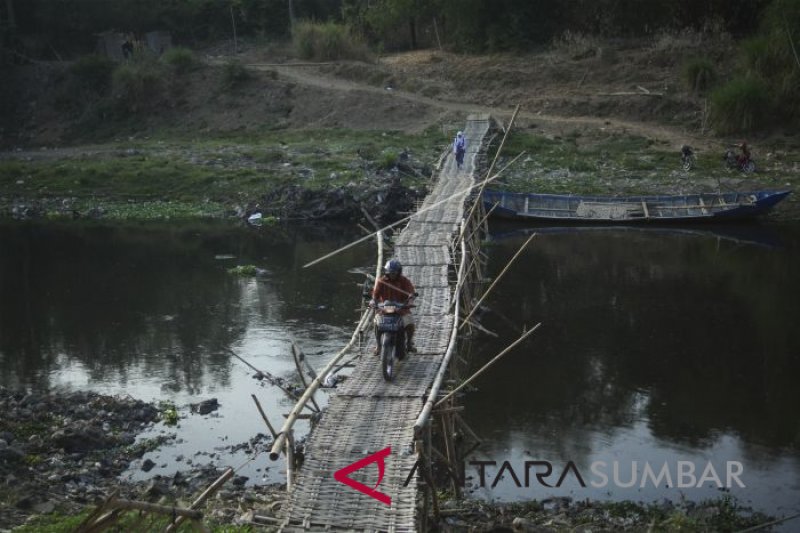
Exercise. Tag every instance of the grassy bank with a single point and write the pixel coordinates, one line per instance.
(599, 163)
(178, 175)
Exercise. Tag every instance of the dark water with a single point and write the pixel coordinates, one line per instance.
(655, 346)
(149, 310)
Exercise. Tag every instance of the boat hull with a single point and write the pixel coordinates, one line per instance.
(632, 209)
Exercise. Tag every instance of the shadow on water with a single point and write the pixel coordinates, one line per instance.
(657, 344)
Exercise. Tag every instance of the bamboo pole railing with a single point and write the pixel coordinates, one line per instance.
(280, 442)
(422, 419)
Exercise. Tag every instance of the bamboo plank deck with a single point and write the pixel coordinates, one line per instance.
(367, 414)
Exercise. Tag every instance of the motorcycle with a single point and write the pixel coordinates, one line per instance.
(391, 335)
(742, 162)
(687, 158)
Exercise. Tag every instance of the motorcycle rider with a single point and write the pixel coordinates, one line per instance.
(744, 157)
(394, 286)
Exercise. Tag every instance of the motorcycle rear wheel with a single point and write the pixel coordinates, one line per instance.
(749, 167)
(388, 348)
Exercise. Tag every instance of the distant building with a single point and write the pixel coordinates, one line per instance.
(120, 46)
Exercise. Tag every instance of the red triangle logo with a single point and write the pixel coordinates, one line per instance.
(377, 457)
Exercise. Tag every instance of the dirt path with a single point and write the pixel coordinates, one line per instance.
(309, 75)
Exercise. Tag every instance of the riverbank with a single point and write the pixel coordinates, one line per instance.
(340, 174)
(58, 466)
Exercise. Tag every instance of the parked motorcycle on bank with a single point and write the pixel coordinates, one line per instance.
(741, 162)
(687, 157)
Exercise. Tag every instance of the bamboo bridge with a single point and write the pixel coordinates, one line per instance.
(439, 250)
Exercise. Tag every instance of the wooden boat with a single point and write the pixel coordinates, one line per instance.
(632, 209)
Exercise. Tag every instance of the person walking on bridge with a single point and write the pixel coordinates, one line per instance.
(394, 286)
(460, 148)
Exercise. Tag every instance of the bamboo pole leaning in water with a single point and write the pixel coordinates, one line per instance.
(269, 377)
(487, 365)
(483, 297)
(264, 416)
(279, 443)
(302, 377)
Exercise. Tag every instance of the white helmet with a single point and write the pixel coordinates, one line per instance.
(459, 134)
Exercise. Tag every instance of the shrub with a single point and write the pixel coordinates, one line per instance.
(181, 59)
(388, 160)
(83, 83)
(92, 73)
(327, 41)
(234, 73)
(699, 74)
(137, 85)
(741, 105)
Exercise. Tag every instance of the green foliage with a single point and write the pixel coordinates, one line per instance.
(234, 73)
(327, 41)
(33, 459)
(699, 74)
(181, 59)
(245, 271)
(93, 73)
(741, 105)
(52, 523)
(388, 159)
(138, 85)
(83, 83)
(774, 56)
(169, 413)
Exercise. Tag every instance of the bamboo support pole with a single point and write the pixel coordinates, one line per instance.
(370, 219)
(450, 452)
(264, 416)
(481, 226)
(426, 470)
(302, 357)
(468, 429)
(485, 294)
(448, 465)
(279, 443)
(422, 419)
(97, 511)
(302, 377)
(290, 461)
(490, 363)
(104, 522)
(214, 487)
(491, 167)
(269, 377)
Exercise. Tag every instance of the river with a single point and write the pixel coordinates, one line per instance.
(658, 348)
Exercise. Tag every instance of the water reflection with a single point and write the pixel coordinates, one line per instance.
(153, 297)
(653, 346)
